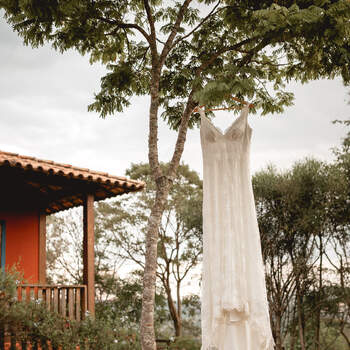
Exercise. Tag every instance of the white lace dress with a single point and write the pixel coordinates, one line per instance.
(234, 303)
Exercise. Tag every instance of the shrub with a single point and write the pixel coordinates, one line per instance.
(185, 343)
(32, 322)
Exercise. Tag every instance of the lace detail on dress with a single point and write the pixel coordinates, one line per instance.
(234, 304)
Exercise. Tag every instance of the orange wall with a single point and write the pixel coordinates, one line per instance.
(22, 242)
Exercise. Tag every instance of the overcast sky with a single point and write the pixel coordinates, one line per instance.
(43, 107)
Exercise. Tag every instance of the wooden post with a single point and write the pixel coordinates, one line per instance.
(2, 244)
(89, 252)
(1, 228)
(42, 248)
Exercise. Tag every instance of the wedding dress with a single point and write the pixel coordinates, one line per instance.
(234, 302)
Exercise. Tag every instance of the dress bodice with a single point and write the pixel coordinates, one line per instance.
(236, 137)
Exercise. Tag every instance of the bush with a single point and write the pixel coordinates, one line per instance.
(185, 343)
(32, 322)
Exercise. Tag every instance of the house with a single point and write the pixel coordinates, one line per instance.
(31, 189)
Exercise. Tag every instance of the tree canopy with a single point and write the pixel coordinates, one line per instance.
(210, 50)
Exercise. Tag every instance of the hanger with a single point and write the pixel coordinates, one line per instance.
(250, 105)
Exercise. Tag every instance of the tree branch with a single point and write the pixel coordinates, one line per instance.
(191, 264)
(123, 25)
(168, 45)
(215, 55)
(153, 36)
(199, 25)
(181, 137)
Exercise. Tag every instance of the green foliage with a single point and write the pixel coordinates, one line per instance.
(343, 152)
(122, 309)
(303, 216)
(298, 198)
(191, 309)
(185, 343)
(31, 321)
(244, 48)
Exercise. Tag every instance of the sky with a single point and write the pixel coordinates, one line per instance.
(43, 107)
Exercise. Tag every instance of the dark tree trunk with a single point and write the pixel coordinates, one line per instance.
(179, 309)
(300, 318)
(278, 338)
(173, 313)
(319, 301)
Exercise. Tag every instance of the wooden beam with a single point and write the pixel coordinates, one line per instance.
(89, 252)
(42, 248)
(42, 187)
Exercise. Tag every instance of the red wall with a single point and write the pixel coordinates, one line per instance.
(22, 242)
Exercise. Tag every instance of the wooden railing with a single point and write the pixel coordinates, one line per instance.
(69, 301)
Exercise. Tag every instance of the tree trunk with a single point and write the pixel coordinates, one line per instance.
(173, 313)
(300, 320)
(293, 338)
(320, 298)
(163, 184)
(179, 309)
(299, 301)
(278, 339)
(149, 276)
(347, 339)
(342, 284)
(293, 331)
(148, 341)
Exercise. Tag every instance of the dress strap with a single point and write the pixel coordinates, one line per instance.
(245, 111)
(201, 112)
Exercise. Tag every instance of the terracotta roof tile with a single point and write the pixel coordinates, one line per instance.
(102, 184)
(67, 170)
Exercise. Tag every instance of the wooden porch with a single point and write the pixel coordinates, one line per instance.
(33, 188)
(68, 301)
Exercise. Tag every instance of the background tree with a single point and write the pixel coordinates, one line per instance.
(340, 242)
(304, 223)
(280, 281)
(180, 231)
(65, 253)
(64, 248)
(188, 53)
